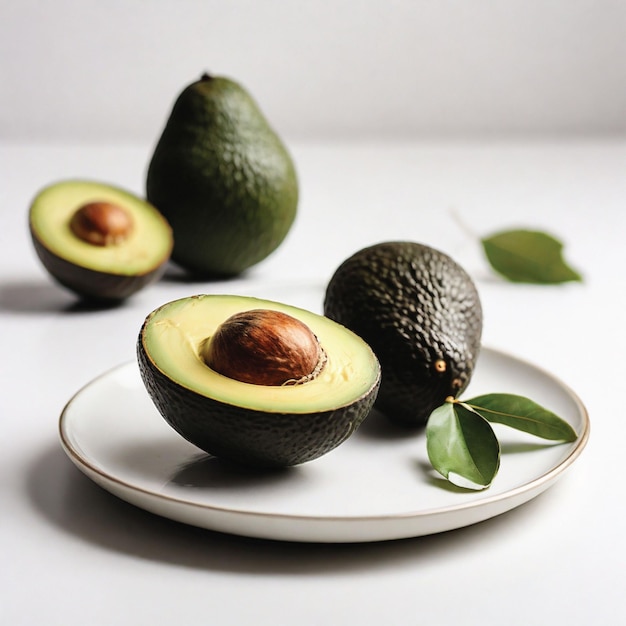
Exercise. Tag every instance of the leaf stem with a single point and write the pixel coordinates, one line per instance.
(480, 408)
(463, 225)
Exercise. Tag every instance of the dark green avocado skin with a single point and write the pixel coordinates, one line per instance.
(91, 285)
(248, 437)
(416, 308)
(223, 179)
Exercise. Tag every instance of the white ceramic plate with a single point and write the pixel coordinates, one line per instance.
(376, 486)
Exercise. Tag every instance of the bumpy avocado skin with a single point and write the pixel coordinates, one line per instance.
(245, 436)
(418, 310)
(223, 179)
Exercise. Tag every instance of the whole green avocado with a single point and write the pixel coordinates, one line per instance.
(420, 313)
(223, 179)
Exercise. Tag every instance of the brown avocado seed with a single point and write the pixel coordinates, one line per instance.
(264, 347)
(101, 223)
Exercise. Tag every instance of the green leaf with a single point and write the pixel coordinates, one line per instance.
(522, 414)
(528, 256)
(462, 446)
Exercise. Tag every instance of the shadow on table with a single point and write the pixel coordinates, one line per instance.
(45, 297)
(68, 499)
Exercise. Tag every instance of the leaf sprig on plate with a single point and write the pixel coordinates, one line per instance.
(463, 447)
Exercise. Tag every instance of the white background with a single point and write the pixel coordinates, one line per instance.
(509, 112)
(90, 69)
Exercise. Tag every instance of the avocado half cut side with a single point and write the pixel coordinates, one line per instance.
(253, 424)
(99, 241)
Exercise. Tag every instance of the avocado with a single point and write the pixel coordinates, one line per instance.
(223, 179)
(296, 417)
(421, 314)
(99, 241)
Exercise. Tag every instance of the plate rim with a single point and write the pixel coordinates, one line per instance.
(538, 483)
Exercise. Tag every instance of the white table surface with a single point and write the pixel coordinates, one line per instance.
(74, 554)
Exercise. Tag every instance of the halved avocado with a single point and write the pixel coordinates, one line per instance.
(97, 240)
(252, 424)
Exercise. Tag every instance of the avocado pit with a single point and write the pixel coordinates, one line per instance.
(264, 347)
(261, 425)
(101, 223)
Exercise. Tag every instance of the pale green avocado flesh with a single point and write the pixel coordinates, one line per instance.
(148, 245)
(174, 334)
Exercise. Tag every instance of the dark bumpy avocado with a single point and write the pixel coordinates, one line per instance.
(253, 424)
(101, 242)
(223, 179)
(421, 314)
